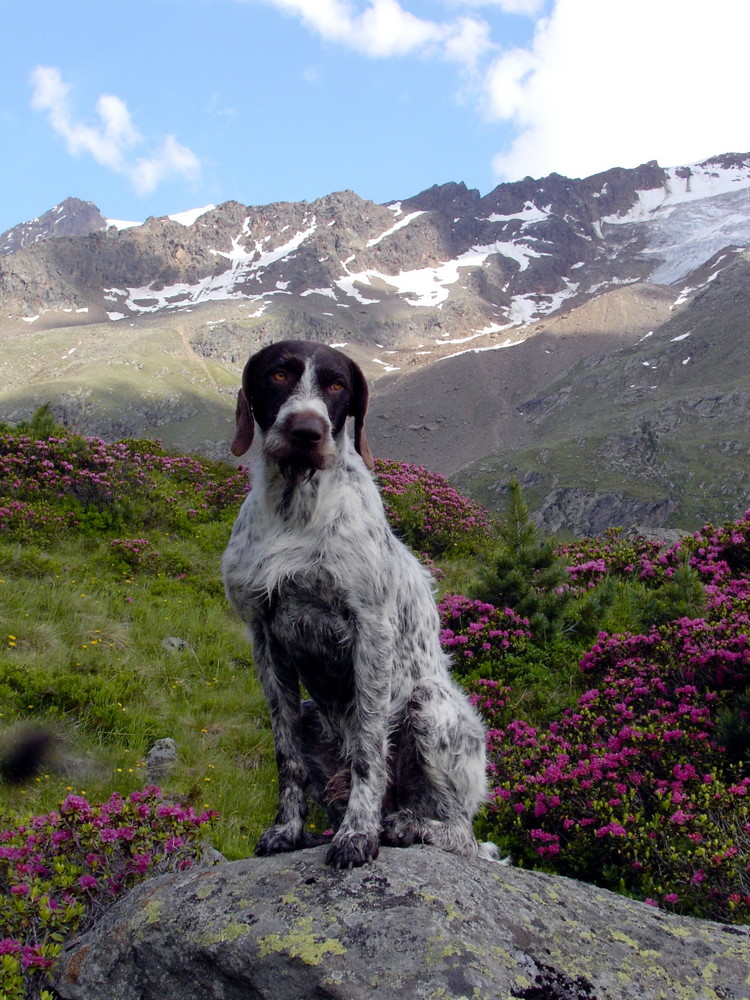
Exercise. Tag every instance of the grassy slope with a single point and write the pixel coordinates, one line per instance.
(81, 637)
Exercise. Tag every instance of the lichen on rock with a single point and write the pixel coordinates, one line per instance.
(419, 923)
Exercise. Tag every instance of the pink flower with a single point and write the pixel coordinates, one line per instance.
(679, 817)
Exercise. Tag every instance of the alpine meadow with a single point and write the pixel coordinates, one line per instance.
(612, 674)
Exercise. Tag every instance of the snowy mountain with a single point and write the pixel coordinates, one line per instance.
(71, 217)
(163, 314)
(524, 251)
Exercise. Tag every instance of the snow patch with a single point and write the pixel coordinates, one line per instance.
(121, 224)
(394, 228)
(525, 309)
(329, 292)
(246, 263)
(480, 350)
(189, 217)
(528, 214)
(429, 286)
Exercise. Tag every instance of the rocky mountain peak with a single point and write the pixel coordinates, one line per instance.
(72, 217)
(450, 197)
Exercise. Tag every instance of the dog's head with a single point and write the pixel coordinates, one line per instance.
(300, 394)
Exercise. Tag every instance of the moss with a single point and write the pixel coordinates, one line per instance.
(302, 943)
(152, 911)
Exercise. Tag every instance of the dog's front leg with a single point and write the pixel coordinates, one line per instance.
(358, 838)
(282, 694)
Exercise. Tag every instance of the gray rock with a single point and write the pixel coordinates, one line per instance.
(418, 923)
(161, 759)
(173, 643)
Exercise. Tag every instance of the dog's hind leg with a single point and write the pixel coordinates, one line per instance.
(442, 780)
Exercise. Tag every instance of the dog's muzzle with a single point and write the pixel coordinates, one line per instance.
(301, 440)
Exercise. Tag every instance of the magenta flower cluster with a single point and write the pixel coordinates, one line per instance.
(722, 557)
(591, 559)
(59, 870)
(67, 481)
(632, 788)
(427, 511)
(479, 635)
(24, 520)
(135, 553)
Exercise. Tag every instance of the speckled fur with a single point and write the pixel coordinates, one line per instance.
(335, 602)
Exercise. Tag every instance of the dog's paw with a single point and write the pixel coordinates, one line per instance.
(350, 850)
(277, 840)
(400, 829)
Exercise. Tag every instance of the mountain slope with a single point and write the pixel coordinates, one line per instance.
(482, 322)
(655, 433)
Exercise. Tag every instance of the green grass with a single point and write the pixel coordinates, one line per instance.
(81, 647)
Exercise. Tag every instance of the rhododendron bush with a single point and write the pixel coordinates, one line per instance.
(633, 788)
(59, 870)
(480, 635)
(68, 482)
(427, 512)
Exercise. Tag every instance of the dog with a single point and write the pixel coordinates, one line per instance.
(336, 603)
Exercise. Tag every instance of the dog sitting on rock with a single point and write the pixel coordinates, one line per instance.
(336, 603)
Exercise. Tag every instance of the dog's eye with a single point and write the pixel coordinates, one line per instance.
(279, 376)
(336, 386)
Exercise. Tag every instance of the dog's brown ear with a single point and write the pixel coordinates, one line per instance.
(358, 409)
(243, 437)
(360, 443)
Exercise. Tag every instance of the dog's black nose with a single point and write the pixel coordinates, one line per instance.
(307, 431)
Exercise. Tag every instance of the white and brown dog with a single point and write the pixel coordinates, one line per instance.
(336, 603)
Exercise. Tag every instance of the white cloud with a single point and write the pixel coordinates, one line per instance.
(527, 7)
(385, 28)
(111, 141)
(170, 160)
(469, 42)
(610, 83)
(107, 142)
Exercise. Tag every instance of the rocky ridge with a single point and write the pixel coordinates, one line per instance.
(498, 312)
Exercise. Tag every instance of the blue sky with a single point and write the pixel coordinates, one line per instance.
(152, 107)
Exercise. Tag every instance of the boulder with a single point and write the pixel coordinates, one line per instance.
(418, 923)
